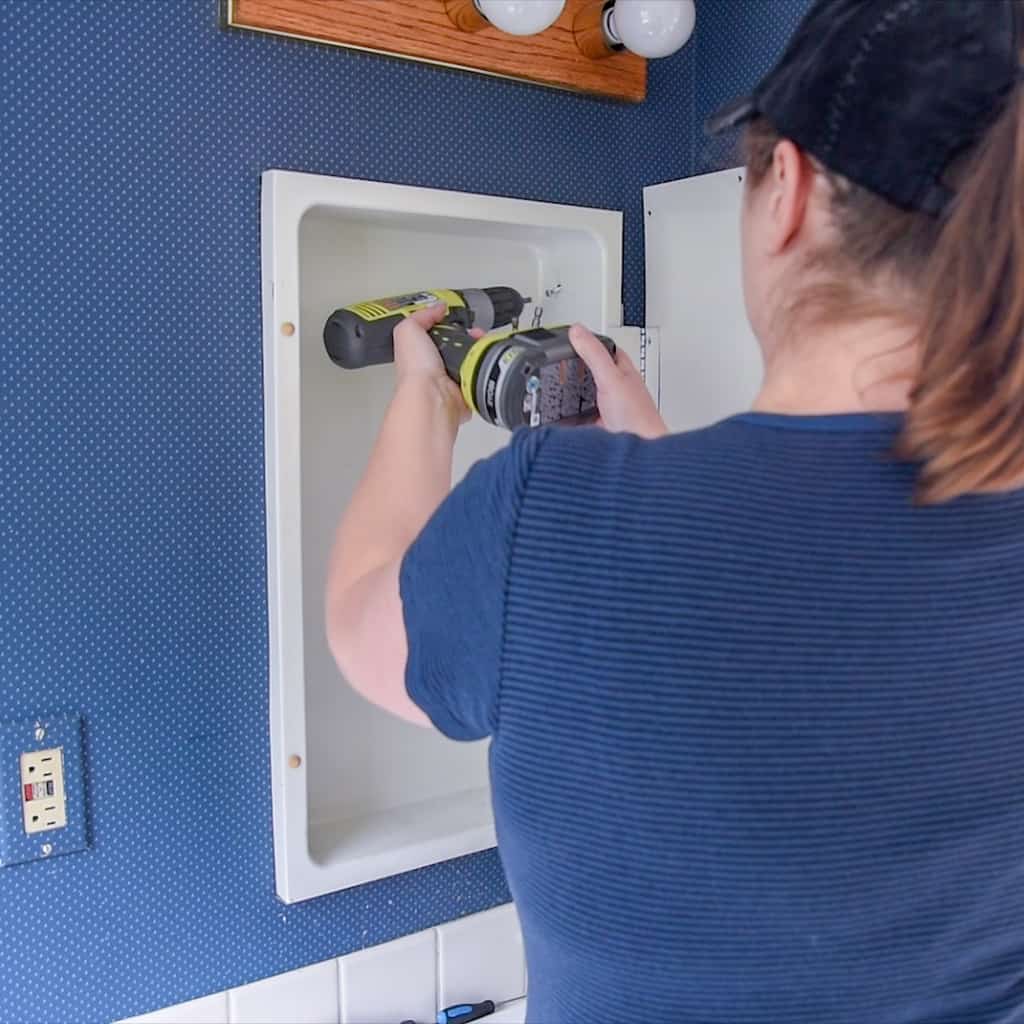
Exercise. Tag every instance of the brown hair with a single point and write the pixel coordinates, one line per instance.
(961, 280)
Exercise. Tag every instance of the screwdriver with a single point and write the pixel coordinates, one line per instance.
(463, 1013)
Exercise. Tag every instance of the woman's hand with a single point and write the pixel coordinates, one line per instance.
(623, 400)
(418, 362)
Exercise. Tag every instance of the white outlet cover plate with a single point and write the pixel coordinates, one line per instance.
(30, 737)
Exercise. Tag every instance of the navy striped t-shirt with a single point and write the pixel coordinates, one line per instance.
(757, 720)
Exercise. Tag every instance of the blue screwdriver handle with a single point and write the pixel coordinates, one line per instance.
(465, 1012)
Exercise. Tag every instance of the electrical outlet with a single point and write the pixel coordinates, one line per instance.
(42, 790)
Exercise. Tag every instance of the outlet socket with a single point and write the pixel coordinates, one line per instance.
(42, 790)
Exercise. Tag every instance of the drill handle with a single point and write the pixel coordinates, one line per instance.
(353, 341)
(453, 342)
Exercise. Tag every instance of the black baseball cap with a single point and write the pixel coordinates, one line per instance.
(888, 92)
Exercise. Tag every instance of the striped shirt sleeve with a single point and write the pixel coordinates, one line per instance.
(452, 586)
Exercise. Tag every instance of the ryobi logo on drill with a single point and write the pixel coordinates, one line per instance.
(377, 309)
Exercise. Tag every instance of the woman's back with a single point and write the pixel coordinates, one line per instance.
(757, 726)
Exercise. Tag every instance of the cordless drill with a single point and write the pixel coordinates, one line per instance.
(361, 334)
(510, 377)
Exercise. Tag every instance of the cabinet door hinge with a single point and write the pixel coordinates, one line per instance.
(650, 359)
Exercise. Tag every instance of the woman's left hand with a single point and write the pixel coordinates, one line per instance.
(623, 400)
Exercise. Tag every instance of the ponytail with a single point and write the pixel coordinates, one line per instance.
(965, 426)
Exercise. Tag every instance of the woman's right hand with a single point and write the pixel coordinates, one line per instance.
(623, 400)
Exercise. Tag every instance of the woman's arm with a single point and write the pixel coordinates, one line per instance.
(407, 478)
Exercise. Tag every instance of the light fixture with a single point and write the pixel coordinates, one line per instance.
(648, 28)
(517, 17)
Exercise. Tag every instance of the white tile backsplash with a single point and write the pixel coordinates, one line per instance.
(306, 996)
(390, 983)
(470, 960)
(208, 1010)
(481, 957)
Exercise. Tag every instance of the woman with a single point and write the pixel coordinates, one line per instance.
(756, 692)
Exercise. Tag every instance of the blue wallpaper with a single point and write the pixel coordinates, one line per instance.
(739, 42)
(132, 568)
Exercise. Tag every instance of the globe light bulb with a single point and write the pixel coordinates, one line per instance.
(651, 28)
(521, 17)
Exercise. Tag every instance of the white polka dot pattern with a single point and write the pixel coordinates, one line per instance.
(132, 569)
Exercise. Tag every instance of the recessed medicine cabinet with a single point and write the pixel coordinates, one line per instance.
(358, 795)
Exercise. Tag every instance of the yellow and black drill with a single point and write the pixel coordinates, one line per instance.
(510, 377)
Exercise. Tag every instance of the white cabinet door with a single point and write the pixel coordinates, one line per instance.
(709, 362)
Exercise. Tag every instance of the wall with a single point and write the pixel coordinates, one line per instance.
(738, 43)
(132, 572)
(132, 569)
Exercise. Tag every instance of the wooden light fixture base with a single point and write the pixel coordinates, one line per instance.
(588, 28)
(450, 32)
(465, 15)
